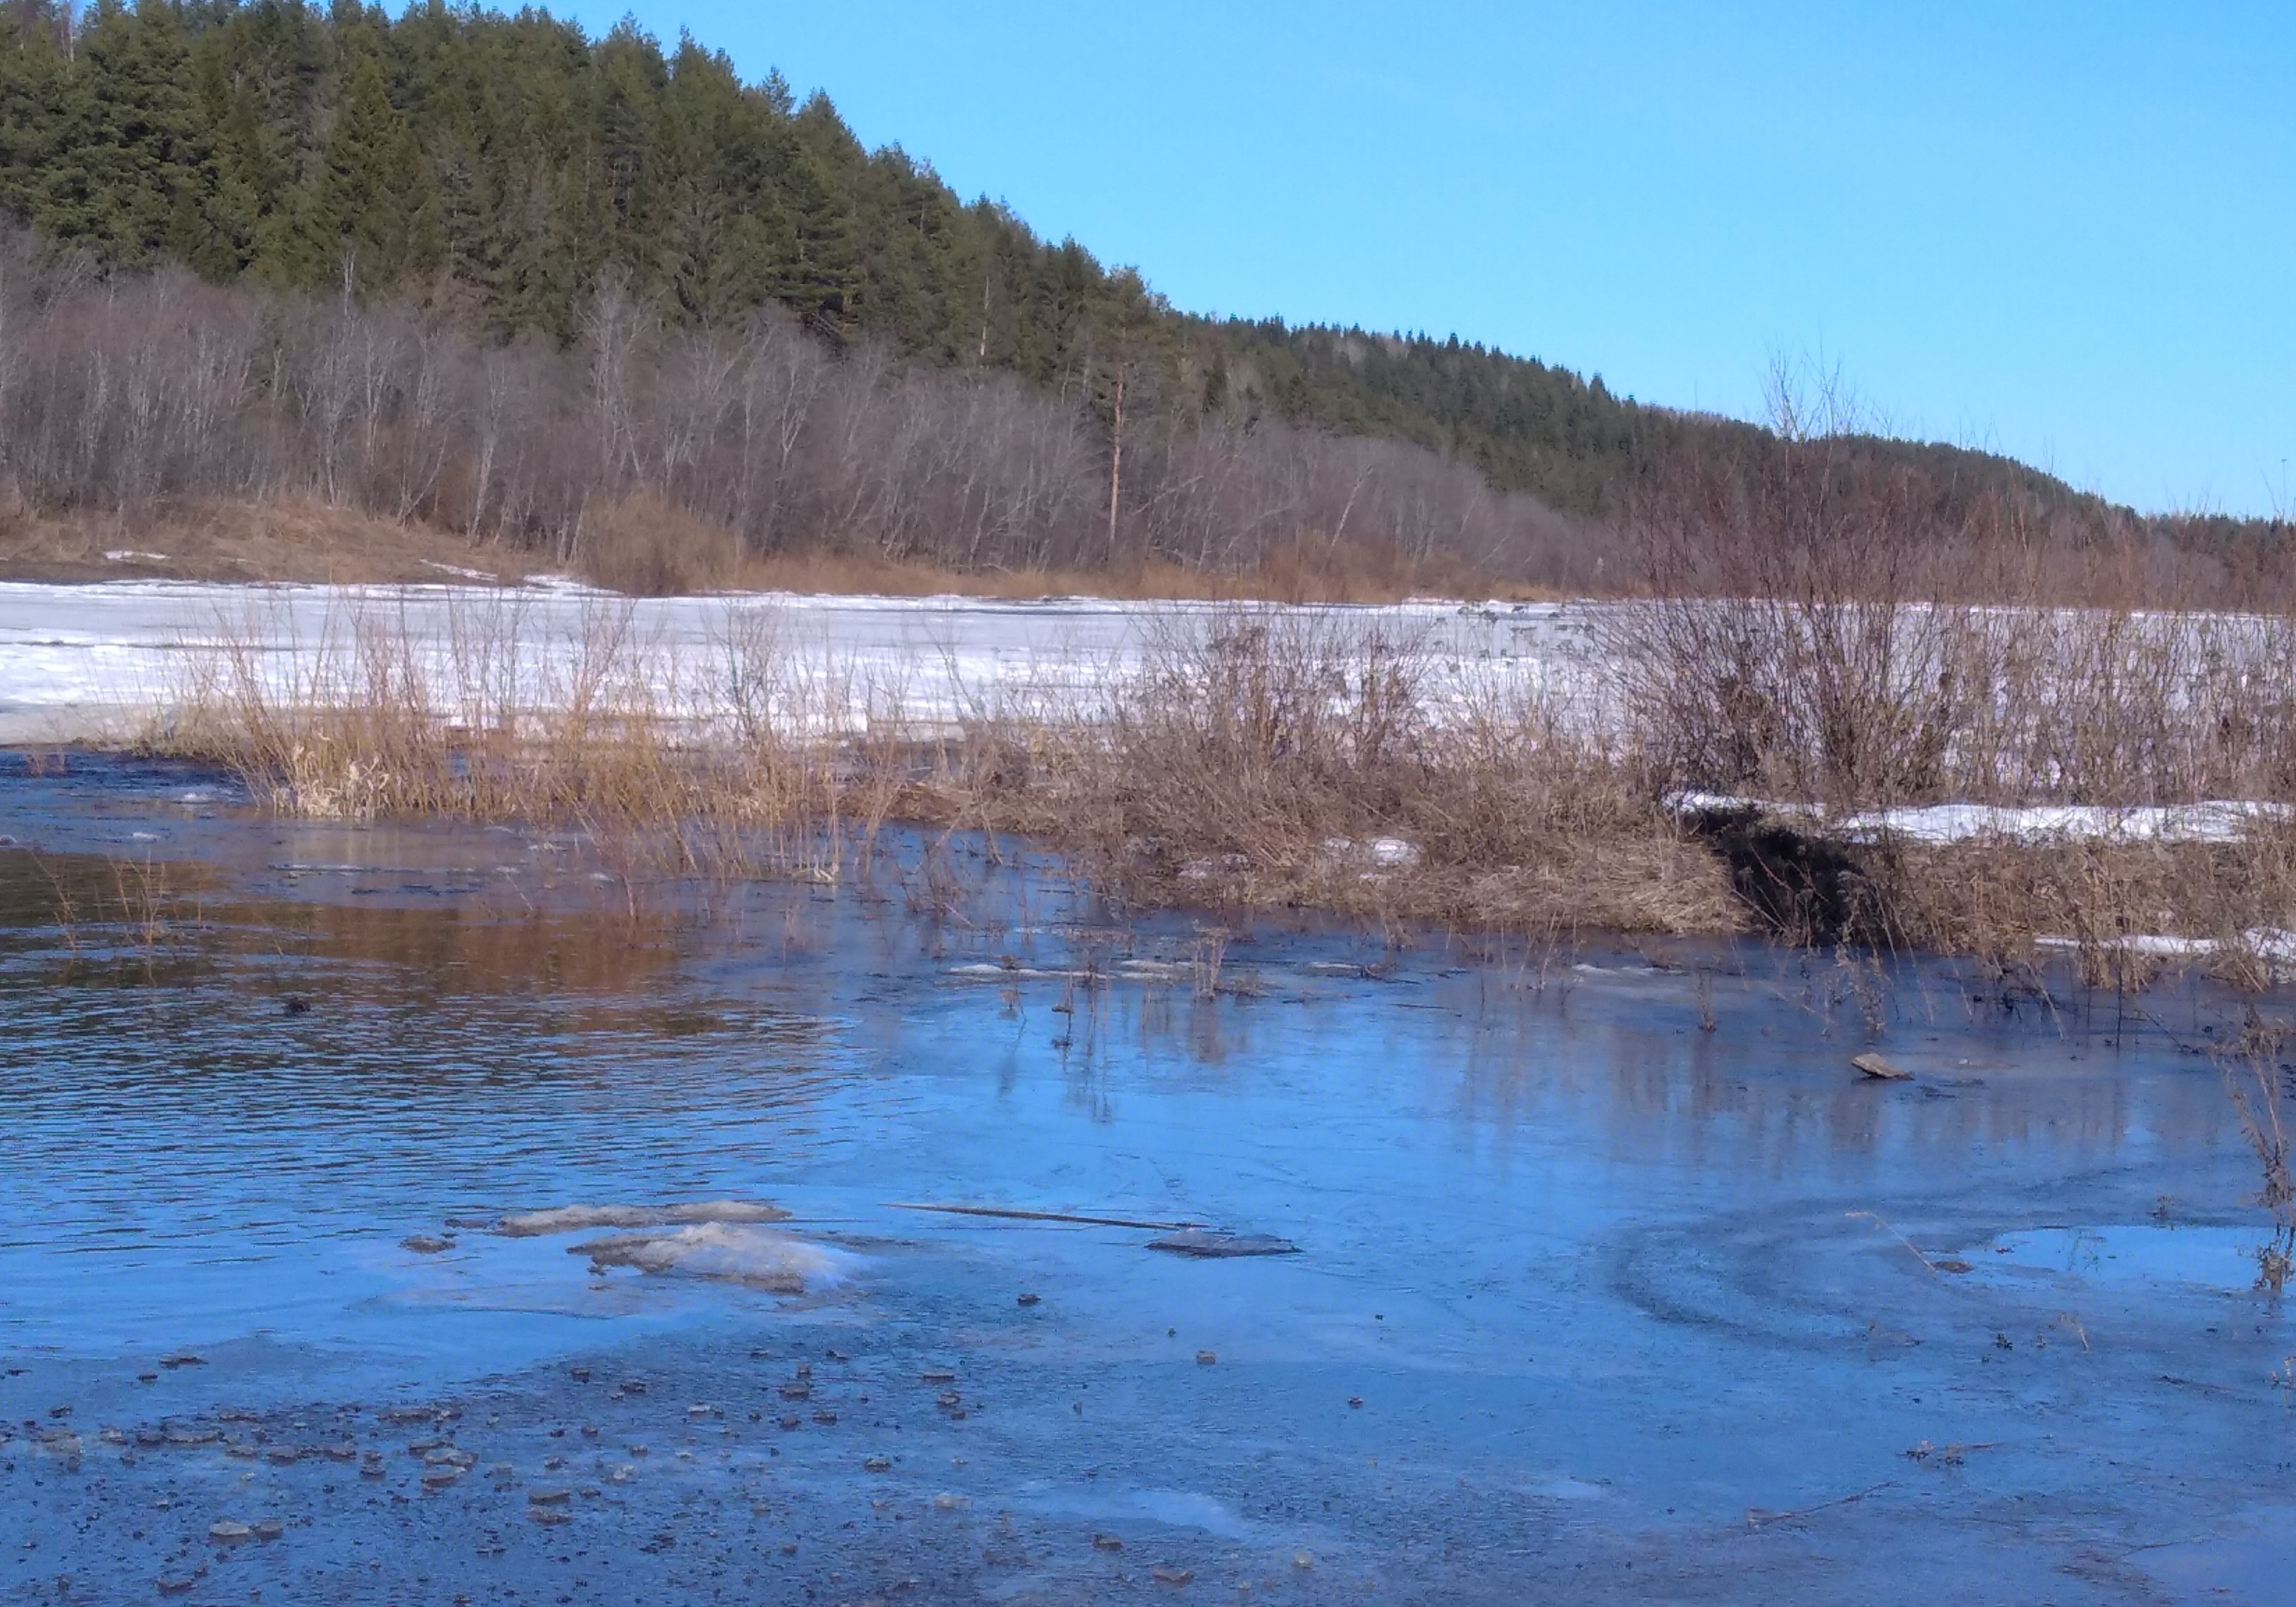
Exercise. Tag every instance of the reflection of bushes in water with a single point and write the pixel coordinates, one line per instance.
(139, 911)
(2261, 1082)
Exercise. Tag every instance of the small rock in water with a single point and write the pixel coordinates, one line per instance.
(266, 1528)
(1167, 1573)
(948, 1397)
(1030, 1299)
(549, 1516)
(877, 1464)
(426, 1244)
(946, 1503)
(937, 1376)
(581, 1375)
(826, 1419)
(1879, 1066)
(176, 1584)
(1205, 1359)
(228, 1531)
(182, 1359)
(549, 1497)
(1303, 1559)
(1106, 1543)
(1211, 1244)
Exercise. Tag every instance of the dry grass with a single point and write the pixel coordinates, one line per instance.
(646, 546)
(1309, 761)
(292, 538)
(1306, 762)
(1300, 765)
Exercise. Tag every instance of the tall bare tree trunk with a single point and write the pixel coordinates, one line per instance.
(1115, 458)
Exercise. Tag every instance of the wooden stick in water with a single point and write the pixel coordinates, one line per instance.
(1028, 1216)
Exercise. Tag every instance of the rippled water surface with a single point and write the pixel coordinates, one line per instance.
(1589, 1303)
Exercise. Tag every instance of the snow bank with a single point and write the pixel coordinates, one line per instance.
(76, 660)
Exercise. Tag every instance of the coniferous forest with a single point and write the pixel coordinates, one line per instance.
(484, 270)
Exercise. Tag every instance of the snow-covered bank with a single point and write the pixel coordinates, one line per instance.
(79, 662)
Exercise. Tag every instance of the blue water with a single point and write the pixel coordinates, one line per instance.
(1590, 1303)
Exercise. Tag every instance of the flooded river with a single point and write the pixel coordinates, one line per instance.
(1611, 1281)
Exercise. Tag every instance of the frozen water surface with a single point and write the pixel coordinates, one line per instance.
(1587, 1304)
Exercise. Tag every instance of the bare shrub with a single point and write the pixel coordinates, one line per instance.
(647, 546)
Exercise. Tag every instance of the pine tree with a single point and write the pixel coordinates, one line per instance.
(376, 197)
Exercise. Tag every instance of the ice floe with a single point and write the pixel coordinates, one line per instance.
(756, 1256)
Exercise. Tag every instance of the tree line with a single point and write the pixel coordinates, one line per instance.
(131, 391)
(490, 182)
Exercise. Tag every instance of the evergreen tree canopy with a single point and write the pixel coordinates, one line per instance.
(500, 169)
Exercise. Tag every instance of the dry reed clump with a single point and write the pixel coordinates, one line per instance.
(644, 546)
(1288, 759)
(1278, 760)
(2126, 910)
(1854, 703)
(729, 764)
(1302, 758)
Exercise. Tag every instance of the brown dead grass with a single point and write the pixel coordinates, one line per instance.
(645, 547)
(1294, 762)
(295, 540)
(1264, 765)
(2020, 902)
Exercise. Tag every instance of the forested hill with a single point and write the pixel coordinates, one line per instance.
(500, 169)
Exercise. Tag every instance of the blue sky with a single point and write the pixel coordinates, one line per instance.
(2064, 231)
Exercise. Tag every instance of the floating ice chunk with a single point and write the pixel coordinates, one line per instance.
(757, 1257)
(575, 1219)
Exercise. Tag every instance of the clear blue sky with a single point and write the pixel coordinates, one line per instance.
(2062, 230)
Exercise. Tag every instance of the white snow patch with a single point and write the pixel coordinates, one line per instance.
(2268, 943)
(459, 572)
(2221, 821)
(2218, 820)
(135, 555)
